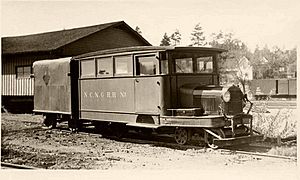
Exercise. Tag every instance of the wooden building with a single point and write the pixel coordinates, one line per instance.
(19, 53)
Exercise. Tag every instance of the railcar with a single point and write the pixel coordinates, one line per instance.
(173, 90)
(274, 88)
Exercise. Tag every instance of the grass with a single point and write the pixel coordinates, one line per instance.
(284, 151)
(22, 117)
(276, 123)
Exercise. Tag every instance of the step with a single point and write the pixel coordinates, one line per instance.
(145, 125)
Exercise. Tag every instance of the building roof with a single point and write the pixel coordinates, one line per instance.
(50, 41)
(148, 49)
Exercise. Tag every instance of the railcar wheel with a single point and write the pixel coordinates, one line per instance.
(181, 136)
(243, 129)
(50, 121)
(119, 130)
(210, 138)
(146, 131)
(101, 127)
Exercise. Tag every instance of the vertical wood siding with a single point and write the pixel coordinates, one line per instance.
(11, 85)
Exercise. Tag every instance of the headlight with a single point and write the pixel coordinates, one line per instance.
(226, 96)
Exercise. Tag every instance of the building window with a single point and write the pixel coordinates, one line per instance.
(88, 68)
(23, 71)
(104, 67)
(123, 65)
(147, 65)
(281, 69)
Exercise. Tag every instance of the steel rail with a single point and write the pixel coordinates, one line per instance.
(259, 154)
(5, 165)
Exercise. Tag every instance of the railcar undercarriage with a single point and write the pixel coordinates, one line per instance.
(215, 131)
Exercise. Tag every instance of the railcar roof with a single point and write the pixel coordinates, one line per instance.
(141, 49)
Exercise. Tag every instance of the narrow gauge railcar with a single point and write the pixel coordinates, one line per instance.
(171, 90)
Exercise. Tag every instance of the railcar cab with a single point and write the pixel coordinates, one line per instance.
(194, 80)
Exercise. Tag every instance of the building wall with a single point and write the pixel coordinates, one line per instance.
(11, 85)
(246, 69)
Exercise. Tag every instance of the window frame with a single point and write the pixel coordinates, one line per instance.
(205, 63)
(94, 73)
(164, 58)
(186, 58)
(130, 74)
(23, 77)
(158, 64)
(194, 63)
(111, 59)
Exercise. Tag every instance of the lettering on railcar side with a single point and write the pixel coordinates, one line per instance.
(123, 94)
(106, 94)
(113, 94)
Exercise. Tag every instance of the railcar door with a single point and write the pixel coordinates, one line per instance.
(147, 84)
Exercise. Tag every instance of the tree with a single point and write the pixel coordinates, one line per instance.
(273, 63)
(176, 37)
(232, 59)
(166, 41)
(198, 38)
(138, 30)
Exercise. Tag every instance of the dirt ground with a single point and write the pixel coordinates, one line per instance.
(24, 141)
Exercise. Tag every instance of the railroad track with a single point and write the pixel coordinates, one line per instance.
(258, 154)
(164, 141)
(14, 166)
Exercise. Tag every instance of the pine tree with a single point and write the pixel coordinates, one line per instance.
(198, 38)
(138, 30)
(165, 40)
(176, 37)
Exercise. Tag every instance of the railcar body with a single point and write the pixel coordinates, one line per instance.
(167, 89)
(275, 88)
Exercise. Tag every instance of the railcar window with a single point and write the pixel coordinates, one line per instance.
(87, 68)
(164, 67)
(204, 64)
(147, 65)
(123, 65)
(104, 67)
(184, 65)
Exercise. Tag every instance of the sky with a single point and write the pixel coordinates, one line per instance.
(255, 22)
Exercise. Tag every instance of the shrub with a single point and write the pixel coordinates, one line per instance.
(277, 123)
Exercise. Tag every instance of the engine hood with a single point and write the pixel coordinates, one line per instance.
(198, 96)
(199, 90)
